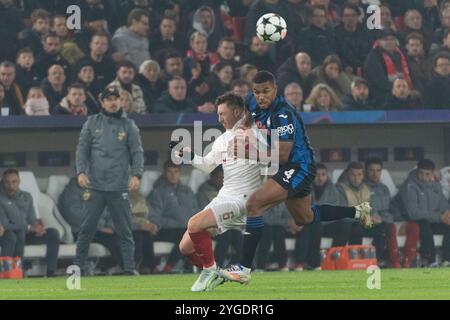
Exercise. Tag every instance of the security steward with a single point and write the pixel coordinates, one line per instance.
(109, 163)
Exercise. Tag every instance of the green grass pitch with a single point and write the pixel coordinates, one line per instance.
(395, 284)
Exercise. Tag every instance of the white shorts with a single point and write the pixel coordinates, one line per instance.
(229, 212)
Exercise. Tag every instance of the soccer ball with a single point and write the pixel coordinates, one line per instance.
(271, 28)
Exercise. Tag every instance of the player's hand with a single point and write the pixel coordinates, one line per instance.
(134, 184)
(445, 217)
(184, 150)
(2, 230)
(38, 229)
(83, 180)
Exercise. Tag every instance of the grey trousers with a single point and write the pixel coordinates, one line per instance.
(119, 207)
(8, 244)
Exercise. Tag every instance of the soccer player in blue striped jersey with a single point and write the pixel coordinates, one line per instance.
(292, 183)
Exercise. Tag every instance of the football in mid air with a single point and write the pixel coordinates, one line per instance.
(271, 28)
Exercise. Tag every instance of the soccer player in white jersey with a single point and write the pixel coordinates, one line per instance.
(226, 211)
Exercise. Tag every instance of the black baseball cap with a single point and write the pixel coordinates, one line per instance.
(108, 92)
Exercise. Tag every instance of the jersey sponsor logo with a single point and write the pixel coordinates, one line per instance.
(285, 129)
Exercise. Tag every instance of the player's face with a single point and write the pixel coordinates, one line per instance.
(111, 104)
(227, 116)
(356, 177)
(265, 93)
(374, 172)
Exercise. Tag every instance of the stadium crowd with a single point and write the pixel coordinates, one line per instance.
(172, 56)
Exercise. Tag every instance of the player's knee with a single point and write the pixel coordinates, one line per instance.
(303, 219)
(252, 207)
(193, 225)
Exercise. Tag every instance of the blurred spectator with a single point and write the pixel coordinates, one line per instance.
(318, 40)
(86, 75)
(98, 56)
(356, 191)
(445, 45)
(322, 98)
(173, 66)
(259, 56)
(126, 102)
(274, 232)
(308, 238)
(131, 42)
(14, 97)
(166, 38)
(300, 11)
(352, 40)
(332, 74)
(51, 55)
(70, 50)
(240, 87)
(32, 37)
(359, 99)
(381, 205)
(423, 202)
(330, 9)
(126, 74)
(2, 96)
(11, 23)
(94, 22)
(150, 81)
(198, 88)
(220, 79)
(172, 205)
(445, 25)
(37, 104)
(294, 95)
(198, 51)
(226, 52)
(296, 69)
(247, 73)
(144, 232)
(414, 23)
(419, 64)
(206, 22)
(17, 206)
(439, 86)
(70, 204)
(401, 97)
(175, 99)
(384, 64)
(26, 74)
(54, 86)
(74, 103)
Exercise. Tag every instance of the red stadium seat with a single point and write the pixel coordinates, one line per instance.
(238, 25)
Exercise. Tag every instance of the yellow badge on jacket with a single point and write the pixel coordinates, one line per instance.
(122, 135)
(86, 195)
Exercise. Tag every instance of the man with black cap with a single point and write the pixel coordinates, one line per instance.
(358, 99)
(385, 63)
(108, 153)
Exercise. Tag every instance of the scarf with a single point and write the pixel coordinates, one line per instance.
(37, 107)
(390, 66)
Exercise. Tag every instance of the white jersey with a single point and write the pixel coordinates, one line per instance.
(240, 176)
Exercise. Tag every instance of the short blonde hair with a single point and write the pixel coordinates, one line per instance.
(147, 63)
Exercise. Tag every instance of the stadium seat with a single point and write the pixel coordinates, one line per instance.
(147, 181)
(238, 25)
(67, 251)
(29, 184)
(386, 178)
(336, 174)
(196, 179)
(162, 248)
(56, 185)
(52, 218)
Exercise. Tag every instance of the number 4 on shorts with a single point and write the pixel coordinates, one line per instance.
(288, 175)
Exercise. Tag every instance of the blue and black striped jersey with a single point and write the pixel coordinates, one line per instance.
(283, 118)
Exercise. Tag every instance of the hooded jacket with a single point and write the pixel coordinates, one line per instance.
(380, 199)
(172, 206)
(421, 200)
(134, 47)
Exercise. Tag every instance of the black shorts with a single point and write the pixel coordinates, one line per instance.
(296, 180)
